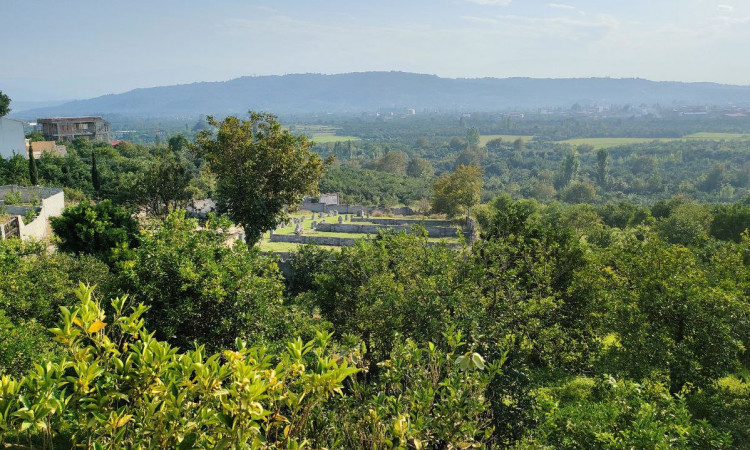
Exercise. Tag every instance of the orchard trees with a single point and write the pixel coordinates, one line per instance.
(671, 313)
(200, 289)
(260, 168)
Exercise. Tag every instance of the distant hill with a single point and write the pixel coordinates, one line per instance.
(370, 91)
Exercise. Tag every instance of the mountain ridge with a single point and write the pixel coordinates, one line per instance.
(359, 92)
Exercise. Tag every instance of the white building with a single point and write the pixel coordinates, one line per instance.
(12, 139)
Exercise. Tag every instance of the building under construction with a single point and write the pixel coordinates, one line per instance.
(69, 128)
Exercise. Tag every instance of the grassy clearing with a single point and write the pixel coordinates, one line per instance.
(325, 138)
(718, 136)
(598, 143)
(267, 246)
(322, 134)
(483, 140)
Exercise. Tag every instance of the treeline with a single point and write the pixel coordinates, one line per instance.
(624, 121)
(154, 177)
(563, 326)
(706, 170)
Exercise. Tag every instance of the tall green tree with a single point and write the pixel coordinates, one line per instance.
(419, 168)
(33, 171)
(472, 137)
(602, 166)
(568, 171)
(4, 104)
(262, 170)
(164, 187)
(457, 192)
(95, 180)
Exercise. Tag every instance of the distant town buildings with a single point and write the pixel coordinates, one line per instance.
(69, 128)
(12, 138)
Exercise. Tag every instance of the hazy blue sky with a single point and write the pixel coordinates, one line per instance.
(51, 49)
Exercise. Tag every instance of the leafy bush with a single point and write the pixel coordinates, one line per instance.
(200, 289)
(617, 414)
(104, 230)
(117, 386)
(424, 397)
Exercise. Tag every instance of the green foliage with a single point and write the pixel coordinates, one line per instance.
(12, 198)
(95, 180)
(458, 191)
(393, 162)
(33, 171)
(200, 289)
(306, 263)
(104, 230)
(526, 272)
(578, 193)
(472, 137)
(260, 168)
(369, 187)
(117, 386)
(420, 168)
(22, 343)
(178, 143)
(687, 224)
(165, 186)
(425, 397)
(395, 284)
(602, 166)
(672, 316)
(4, 104)
(617, 414)
(729, 221)
(568, 171)
(33, 285)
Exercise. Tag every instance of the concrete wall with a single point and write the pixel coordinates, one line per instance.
(437, 232)
(354, 209)
(322, 207)
(325, 240)
(432, 223)
(320, 240)
(12, 138)
(29, 194)
(52, 206)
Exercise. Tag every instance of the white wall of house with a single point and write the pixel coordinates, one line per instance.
(12, 138)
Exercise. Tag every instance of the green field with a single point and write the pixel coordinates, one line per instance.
(322, 134)
(325, 138)
(483, 140)
(598, 143)
(718, 136)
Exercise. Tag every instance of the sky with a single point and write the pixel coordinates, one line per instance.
(53, 50)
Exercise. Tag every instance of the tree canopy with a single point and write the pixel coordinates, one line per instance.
(262, 170)
(457, 191)
(4, 104)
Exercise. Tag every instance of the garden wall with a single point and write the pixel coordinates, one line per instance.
(437, 232)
